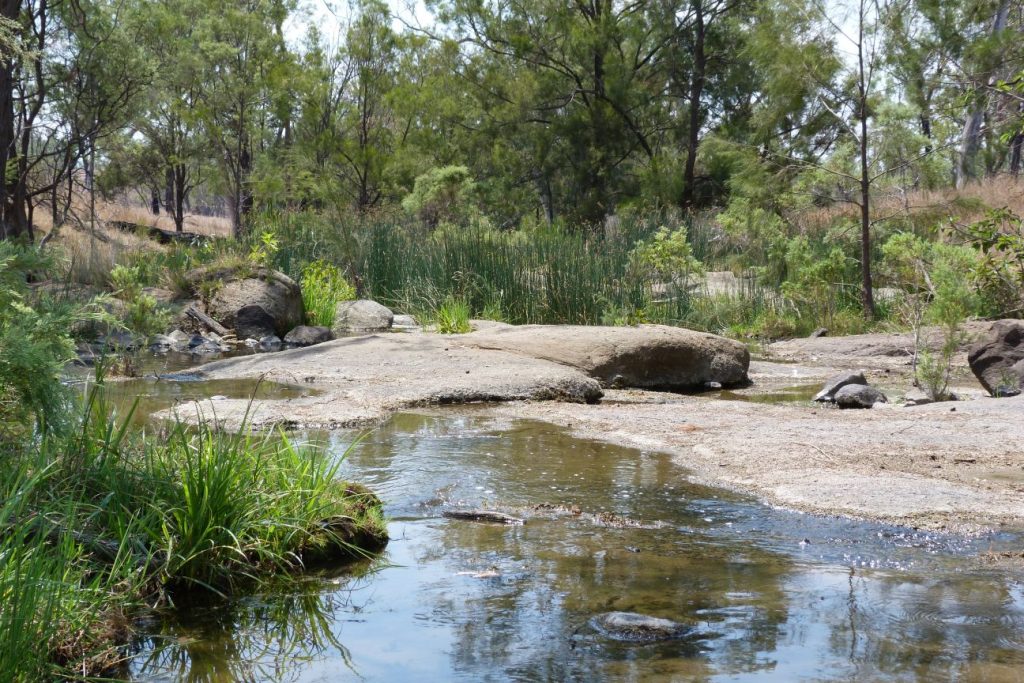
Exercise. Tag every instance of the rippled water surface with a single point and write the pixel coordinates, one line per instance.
(767, 594)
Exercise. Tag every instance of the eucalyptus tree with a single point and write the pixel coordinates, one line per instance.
(70, 84)
(244, 63)
(594, 77)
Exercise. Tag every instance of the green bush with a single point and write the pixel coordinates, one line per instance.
(443, 195)
(453, 317)
(323, 287)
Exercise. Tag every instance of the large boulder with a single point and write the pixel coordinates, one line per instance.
(645, 357)
(265, 299)
(362, 315)
(998, 361)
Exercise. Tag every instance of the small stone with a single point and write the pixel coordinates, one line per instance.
(712, 386)
(859, 396)
(820, 332)
(270, 343)
(916, 397)
(305, 335)
(837, 382)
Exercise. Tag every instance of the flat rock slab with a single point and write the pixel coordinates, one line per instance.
(929, 467)
(362, 380)
(645, 357)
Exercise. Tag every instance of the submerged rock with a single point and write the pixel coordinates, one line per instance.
(859, 396)
(635, 627)
(998, 362)
(644, 357)
(362, 315)
(306, 335)
(837, 382)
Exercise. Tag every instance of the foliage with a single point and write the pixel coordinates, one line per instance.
(453, 316)
(442, 195)
(142, 314)
(104, 522)
(666, 257)
(323, 287)
(35, 342)
(999, 240)
(941, 292)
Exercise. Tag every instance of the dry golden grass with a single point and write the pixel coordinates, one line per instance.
(961, 206)
(214, 226)
(89, 260)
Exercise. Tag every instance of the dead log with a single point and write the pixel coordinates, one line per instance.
(206, 321)
(487, 516)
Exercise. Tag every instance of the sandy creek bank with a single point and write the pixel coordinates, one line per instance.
(954, 466)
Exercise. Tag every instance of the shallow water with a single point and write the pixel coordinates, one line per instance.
(768, 594)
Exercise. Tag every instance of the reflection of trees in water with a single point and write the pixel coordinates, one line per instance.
(264, 638)
(940, 627)
(532, 622)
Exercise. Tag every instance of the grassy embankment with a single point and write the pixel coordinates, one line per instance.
(101, 522)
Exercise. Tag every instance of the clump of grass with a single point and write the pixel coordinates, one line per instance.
(453, 317)
(323, 287)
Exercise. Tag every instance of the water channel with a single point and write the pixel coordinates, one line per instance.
(767, 594)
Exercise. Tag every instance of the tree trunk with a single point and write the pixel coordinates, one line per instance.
(168, 188)
(11, 225)
(1016, 143)
(695, 94)
(180, 191)
(867, 290)
(970, 139)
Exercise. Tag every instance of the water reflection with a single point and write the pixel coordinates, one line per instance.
(769, 594)
(266, 638)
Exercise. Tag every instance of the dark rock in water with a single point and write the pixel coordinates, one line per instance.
(859, 396)
(161, 343)
(998, 362)
(254, 321)
(820, 332)
(270, 343)
(638, 628)
(122, 341)
(199, 345)
(837, 382)
(305, 335)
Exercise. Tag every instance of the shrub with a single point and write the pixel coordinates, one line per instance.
(453, 316)
(442, 195)
(323, 286)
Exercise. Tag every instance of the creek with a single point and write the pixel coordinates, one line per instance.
(766, 594)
